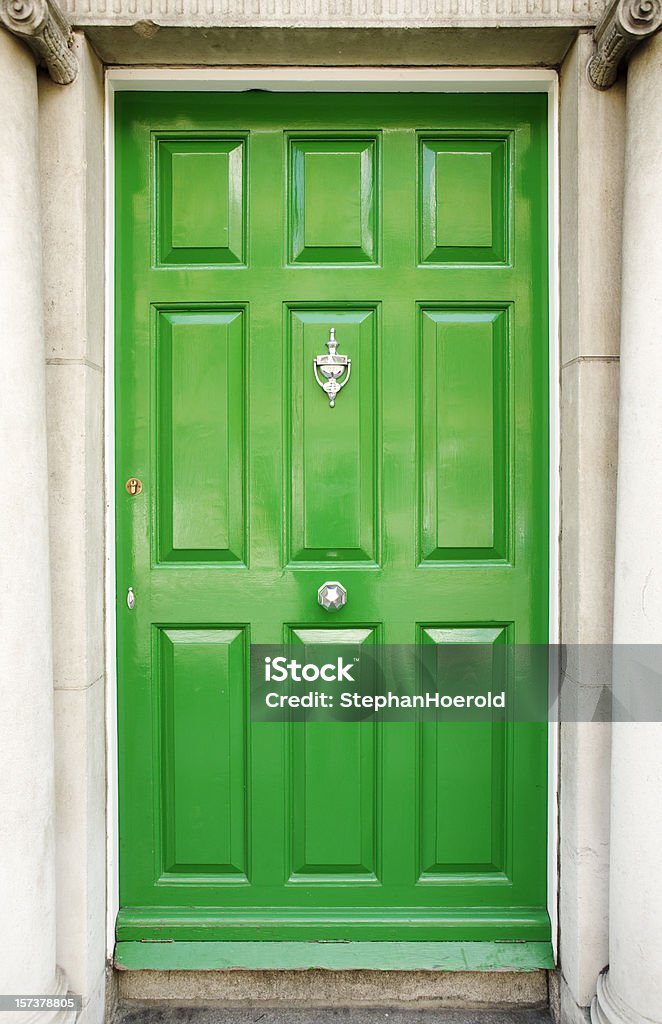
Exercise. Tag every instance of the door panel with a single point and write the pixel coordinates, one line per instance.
(464, 443)
(333, 508)
(335, 779)
(333, 200)
(199, 440)
(463, 777)
(201, 196)
(464, 200)
(203, 736)
(334, 802)
(248, 226)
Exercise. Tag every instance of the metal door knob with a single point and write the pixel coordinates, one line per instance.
(332, 596)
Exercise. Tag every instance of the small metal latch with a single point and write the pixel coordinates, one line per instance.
(130, 599)
(134, 485)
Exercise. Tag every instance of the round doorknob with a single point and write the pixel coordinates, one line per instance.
(332, 596)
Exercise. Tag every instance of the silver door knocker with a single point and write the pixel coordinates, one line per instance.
(332, 367)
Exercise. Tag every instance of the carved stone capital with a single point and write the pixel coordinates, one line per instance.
(624, 24)
(41, 24)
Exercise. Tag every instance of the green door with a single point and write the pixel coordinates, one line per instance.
(248, 226)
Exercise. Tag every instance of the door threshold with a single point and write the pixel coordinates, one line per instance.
(333, 955)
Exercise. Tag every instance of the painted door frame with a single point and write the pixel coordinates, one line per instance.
(328, 79)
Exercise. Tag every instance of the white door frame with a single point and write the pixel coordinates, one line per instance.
(328, 79)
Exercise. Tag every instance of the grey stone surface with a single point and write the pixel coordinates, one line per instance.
(349, 988)
(72, 179)
(341, 13)
(146, 1014)
(592, 145)
(27, 844)
(147, 41)
(632, 988)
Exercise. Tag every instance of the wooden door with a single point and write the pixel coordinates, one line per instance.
(248, 226)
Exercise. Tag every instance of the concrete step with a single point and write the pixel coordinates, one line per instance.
(153, 1013)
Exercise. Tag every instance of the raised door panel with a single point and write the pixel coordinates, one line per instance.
(333, 463)
(200, 200)
(200, 443)
(202, 730)
(334, 785)
(333, 200)
(463, 202)
(463, 774)
(464, 461)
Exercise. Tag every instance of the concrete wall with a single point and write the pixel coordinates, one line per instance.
(27, 847)
(592, 141)
(72, 162)
(591, 153)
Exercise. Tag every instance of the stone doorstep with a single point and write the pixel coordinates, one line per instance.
(134, 1012)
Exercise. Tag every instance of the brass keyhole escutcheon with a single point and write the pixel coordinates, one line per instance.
(134, 485)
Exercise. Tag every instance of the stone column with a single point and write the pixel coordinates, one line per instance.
(27, 846)
(630, 992)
